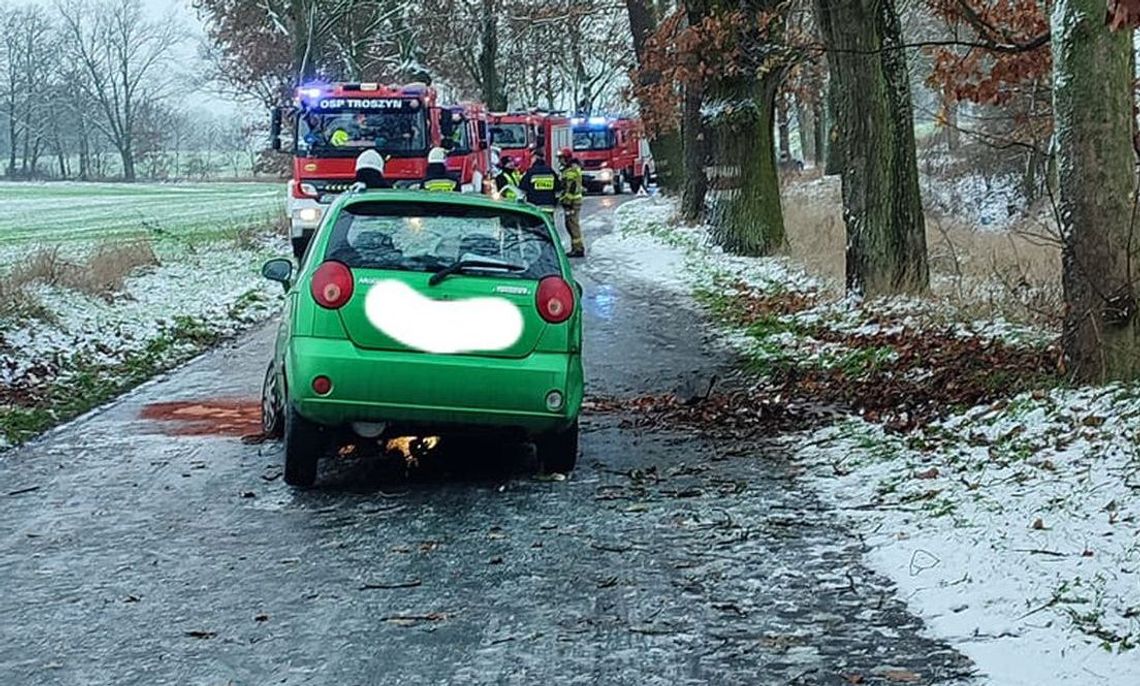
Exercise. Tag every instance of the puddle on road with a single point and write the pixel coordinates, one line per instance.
(233, 417)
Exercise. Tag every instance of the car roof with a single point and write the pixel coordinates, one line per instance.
(428, 198)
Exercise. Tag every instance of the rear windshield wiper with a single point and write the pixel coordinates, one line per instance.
(463, 265)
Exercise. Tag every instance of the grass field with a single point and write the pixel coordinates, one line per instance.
(74, 216)
(104, 285)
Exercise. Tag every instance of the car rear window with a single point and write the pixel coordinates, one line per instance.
(429, 237)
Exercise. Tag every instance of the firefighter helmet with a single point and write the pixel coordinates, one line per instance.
(437, 156)
(565, 153)
(370, 159)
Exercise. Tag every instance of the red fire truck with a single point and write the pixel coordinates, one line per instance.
(519, 134)
(331, 124)
(613, 152)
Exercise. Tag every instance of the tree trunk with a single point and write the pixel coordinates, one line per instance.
(693, 145)
(304, 42)
(805, 124)
(834, 159)
(882, 207)
(1092, 102)
(665, 146)
(748, 218)
(953, 135)
(785, 129)
(128, 162)
(493, 94)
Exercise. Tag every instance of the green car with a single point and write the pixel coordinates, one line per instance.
(419, 313)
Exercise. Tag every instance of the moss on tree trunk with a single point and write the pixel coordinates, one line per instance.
(747, 216)
(1092, 105)
(882, 207)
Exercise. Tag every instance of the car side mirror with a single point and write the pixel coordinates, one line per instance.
(280, 270)
(578, 286)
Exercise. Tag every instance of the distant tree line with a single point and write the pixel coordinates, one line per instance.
(557, 54)
(90, 89)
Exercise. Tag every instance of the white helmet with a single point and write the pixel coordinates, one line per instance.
(437, 156)
(370, 159)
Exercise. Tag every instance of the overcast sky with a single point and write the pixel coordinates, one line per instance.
(195, 31)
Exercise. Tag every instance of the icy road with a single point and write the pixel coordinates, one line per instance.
(135, 550)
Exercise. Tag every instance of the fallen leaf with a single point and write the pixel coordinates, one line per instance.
(1039, 524)
(201, 634)
(931, 473)
(902, 676)
(854, 678)
(261, 618)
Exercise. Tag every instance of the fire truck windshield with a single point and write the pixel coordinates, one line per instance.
(593, 139)
(509, 136)
(337, 133)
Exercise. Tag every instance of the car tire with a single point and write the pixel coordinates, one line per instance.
(305, 442)
(272, 421)
(299, 245)
(558, 450)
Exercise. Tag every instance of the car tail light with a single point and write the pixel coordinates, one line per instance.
(555, 299)
(332, 285)
(322, 385)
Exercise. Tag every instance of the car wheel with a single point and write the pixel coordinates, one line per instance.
(272, 423)
(299, 245)
(305, 442)
(558, 451)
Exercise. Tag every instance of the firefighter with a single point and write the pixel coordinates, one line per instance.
(571, 200)
(438, 179)
(370, 170)
(509, 180)
(541, 185)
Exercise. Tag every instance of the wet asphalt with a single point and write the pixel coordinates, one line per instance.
(132, 556)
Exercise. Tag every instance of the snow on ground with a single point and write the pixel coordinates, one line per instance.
(209, 240)
(220, 287)
(1013, 529)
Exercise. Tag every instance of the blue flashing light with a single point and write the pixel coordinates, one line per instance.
(597, 121)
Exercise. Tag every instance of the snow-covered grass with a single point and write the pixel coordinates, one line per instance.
(74, 215)
(1011, 527)
(67, 344)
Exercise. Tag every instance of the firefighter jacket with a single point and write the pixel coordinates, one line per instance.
(541, 185)
(573, 189)
(439, 180)
(508, 178)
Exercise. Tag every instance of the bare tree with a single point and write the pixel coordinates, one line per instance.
(127, 64)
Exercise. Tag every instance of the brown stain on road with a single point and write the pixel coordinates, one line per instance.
(216, 417)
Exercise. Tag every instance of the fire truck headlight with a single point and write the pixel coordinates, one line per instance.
(309, 189)
(309, 215)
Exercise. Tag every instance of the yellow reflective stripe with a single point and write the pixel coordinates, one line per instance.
(439, 185)
(543, 183)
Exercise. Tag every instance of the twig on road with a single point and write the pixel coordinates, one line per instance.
(22, 491)
(385, 586)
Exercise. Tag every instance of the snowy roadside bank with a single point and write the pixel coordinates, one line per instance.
(1004, 506)
(72, 351)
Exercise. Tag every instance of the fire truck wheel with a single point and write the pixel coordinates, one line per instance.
(619, 183)
(635, 184)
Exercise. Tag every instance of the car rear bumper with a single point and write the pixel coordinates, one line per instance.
(454, 391)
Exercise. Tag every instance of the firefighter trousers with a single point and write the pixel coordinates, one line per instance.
(573, 212)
